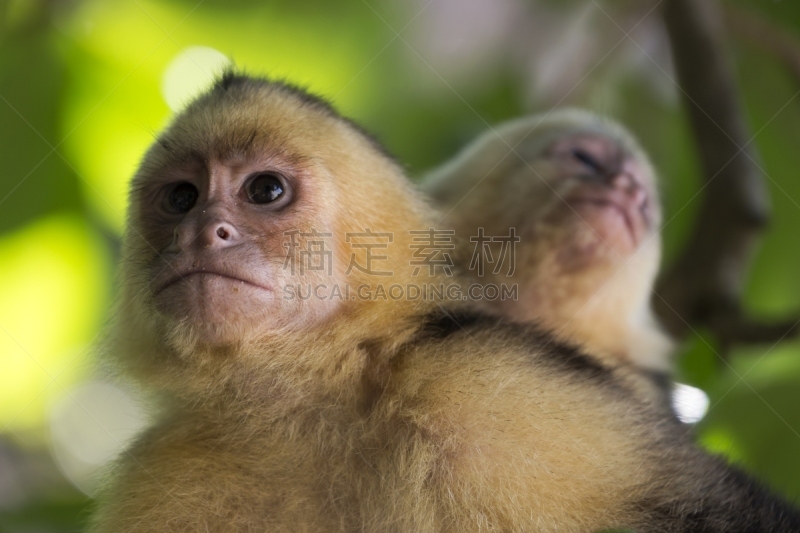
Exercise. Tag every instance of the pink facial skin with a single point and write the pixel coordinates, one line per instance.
(610, 191)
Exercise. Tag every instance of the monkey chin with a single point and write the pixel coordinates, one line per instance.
(210, 313)
(213, 312)
(598, 232)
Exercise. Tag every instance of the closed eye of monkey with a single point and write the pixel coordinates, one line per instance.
(323, 414)
(581, 194)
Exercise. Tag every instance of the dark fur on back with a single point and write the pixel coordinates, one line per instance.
(739, 504)
(443, 322)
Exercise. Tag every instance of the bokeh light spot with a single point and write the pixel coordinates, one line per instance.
(89, 427)
(190, 73)
(690, 403)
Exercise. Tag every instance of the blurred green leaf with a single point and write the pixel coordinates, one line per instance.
(35, 179)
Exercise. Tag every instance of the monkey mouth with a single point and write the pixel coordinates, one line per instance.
(181, 275)
(634, 216)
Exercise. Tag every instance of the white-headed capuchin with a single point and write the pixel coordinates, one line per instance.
(354, 406)
(581, 197)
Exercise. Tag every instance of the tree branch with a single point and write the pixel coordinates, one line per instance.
(705, 284)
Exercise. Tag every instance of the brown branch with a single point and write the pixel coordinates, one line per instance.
(704, 286)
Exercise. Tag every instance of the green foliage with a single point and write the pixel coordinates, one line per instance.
(54, 515)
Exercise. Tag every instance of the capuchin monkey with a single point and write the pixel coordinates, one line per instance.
(287, 410)
(582, 199)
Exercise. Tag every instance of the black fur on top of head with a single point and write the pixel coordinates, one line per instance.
(232, 80)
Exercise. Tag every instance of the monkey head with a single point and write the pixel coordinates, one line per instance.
(254, 188)
(582, 197)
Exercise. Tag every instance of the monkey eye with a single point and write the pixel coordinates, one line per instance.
(181, 198)
(587, 159)
(264, 188)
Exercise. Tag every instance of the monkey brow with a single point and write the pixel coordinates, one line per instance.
(268, 152)
(232, 145)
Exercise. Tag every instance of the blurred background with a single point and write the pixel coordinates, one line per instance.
(85, 85)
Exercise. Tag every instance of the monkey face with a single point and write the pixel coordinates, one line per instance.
(591, 247)
(217, 232)
(604, 196)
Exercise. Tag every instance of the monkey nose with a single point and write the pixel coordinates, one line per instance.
(622, 181)
(625, 182)
(218, 234)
